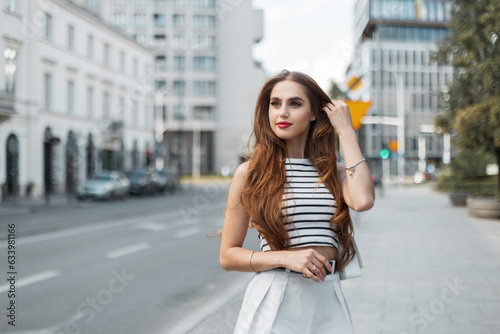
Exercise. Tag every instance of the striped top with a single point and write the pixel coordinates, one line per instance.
(309, 205)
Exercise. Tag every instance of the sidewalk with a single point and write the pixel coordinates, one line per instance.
(22, 205)
(429, 268)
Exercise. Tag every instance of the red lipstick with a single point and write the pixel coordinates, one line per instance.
(283, 125)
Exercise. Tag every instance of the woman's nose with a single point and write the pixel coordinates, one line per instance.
(283, 111)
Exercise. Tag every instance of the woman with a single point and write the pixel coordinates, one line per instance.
(293, 191)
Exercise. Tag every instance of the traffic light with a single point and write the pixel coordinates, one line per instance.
(385, 154)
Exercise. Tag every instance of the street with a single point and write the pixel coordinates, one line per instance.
(145, 265)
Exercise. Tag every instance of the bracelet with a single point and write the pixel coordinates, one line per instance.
(352, 168)
(250, 261)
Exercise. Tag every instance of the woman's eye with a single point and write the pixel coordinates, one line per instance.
(295, 104)
(275, 104)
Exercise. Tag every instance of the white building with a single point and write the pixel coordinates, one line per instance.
(76, 96)
(205, 71)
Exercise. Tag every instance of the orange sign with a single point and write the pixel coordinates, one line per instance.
(393, 145)
(358, 111)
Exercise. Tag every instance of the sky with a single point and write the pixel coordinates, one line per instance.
(311, 36)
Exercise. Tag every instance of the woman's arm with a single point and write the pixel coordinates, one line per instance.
(233, 257)
(357, 189)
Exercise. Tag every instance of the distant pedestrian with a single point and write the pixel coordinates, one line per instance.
(293, 191)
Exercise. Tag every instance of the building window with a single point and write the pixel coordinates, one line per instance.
(93, 4)
(179, 87)
(179, 63)
(119, 20)
(204, 88)
(204, 42)
(12, 6)
(204, 21)
(105, 106)
(105, 56)
(178, 3)
(179, 21)
(71, 38)
(90, 102)
(204, 112)
(140, 3)
(120, 3)
(160, 20)
(203, 63)
(70, 97)
(160, 63)
(139, 20)
(179, 41)
(135, 113)
(10, 68)
(204, 3)
(48, 91)
(160, 41)
(160, 3)
(160, 84)
(48, 27)
(179, 111)
(90, 47)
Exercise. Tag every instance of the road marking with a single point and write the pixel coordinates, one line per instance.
(187, 232)
(45, 275)
(154, 227)
(127, 250)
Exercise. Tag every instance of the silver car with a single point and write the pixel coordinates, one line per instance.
(106, 185)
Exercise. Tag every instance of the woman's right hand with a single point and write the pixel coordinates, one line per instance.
(307, 261)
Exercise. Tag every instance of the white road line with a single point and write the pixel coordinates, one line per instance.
(152, 226)
(45, 275)
(127, 250)
(187, 232)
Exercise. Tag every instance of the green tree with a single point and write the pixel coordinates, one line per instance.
(335, 92)
(472, 111)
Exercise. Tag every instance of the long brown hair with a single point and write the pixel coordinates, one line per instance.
(264, 185)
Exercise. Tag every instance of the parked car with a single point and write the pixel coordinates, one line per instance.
(161, 181)
(173, 179)
(106, 185)
(143, 182)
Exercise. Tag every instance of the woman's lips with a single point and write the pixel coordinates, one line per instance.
(283, 125)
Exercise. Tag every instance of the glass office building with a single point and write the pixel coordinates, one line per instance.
(394, 40)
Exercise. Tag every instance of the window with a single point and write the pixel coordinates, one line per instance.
(120, 3)
(90, 47)
(48, 27)
(105, 57)
(71, 38)
(179, 21)
(160, 63)
(135, 113)
(160, 41)
(179, 111)
(93, 4)
(203, 63)
(105, 106)
(12, 6)
(119, 20)
(139, 20)
(160, 84)
(10, 68)
(179, 41)
(178, 3)
(90, 102)
(140, 3)
(179, 87)
(203, 112)
(48, 91)
(122, 61)
(160, 20)
(204, 88)
(70, 97)
(160, 3)
(179, 63)
(204, 21)
(204, 42)
(204, 3)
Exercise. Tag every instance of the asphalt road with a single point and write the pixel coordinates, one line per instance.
(144, 265)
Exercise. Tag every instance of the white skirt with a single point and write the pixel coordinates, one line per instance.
(280, 302)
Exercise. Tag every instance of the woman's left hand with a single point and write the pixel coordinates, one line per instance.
(339, 115)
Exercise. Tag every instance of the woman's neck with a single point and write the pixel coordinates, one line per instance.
(296, 148)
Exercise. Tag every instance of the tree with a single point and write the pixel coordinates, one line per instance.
(472, 111)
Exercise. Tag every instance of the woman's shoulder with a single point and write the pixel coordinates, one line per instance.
(241, 171)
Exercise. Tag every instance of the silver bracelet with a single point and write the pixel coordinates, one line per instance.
(352, 168)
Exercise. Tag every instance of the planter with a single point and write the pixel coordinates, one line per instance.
(458, 198)
(483, 207)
